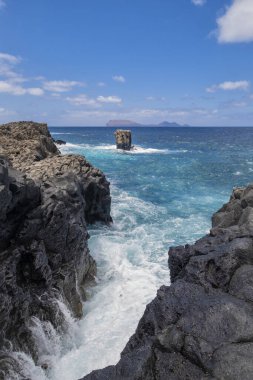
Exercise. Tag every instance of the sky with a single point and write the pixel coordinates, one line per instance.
(84, 62)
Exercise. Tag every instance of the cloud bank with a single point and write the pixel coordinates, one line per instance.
(236, 25)
(229, 86)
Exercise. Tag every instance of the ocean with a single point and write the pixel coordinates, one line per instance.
(163, 194)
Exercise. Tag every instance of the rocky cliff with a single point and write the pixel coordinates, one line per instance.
(200, 327)
(46, 201)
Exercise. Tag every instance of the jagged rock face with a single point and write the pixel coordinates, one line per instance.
(25, 143)
(44, 255)
(95, 187)
(200, 327)
(123, 139)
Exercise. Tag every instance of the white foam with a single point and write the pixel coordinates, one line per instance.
(112, 148)
(62, 133)
(132, 264)
(128, 278)
(26, 369)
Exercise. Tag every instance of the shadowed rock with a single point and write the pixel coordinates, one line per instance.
(200, 327)
(45, 206)
(123, 139)
(60, 142)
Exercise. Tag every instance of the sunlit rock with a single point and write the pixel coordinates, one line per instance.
(123, 139)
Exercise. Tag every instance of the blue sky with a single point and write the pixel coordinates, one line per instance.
(84, 62)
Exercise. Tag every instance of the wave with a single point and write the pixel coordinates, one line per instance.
(135, 150)
(63, 133)
(131, 258)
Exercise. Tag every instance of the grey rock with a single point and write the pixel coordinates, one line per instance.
(45, 205)
(123, 139)
(59, 142)
(200, 327)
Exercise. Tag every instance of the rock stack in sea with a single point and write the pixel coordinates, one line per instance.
(123, 139)
(46, 201)
(200, 327)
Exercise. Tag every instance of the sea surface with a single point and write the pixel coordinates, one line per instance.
(163, 194)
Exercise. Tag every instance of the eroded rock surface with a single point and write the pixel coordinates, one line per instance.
(200, 327)
(123, 139)
(45, 206)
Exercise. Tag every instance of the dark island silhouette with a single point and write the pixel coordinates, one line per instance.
(130, 123)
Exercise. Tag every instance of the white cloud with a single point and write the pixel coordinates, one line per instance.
(9, 58)
(7, 62)
(236, 24)
(83, 100)
(11, 80)
(119, 78)
(199, 2)
(109, 99)
(190, 115)
(36, 91)
(229, 86)
(2, 4)
(61, 85)
(101, 84)
(13, 89)
(239, 104)
(153, 98)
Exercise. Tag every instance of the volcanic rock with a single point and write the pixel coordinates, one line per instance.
(46, 201)
(200, 327)
(123, 139)
(60, 142)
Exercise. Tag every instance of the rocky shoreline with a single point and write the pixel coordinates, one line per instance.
(200, 327)
(46, 201)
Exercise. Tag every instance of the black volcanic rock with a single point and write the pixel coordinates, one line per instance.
(44, 257)
(200, 327)
(59, 142)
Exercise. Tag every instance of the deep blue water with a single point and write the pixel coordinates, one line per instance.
(193, 170)
(163, 194)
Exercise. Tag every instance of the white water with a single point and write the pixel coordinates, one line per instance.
(135, 150)
(132, 264)
(129, 274)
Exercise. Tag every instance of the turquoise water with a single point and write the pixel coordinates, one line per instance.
(188, 171)
(163, 193)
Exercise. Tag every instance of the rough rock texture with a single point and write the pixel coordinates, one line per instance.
(25, 143)
(200, 327)
(44, 256)
(123, 139)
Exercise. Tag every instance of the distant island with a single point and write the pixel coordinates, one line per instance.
(130, 123)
